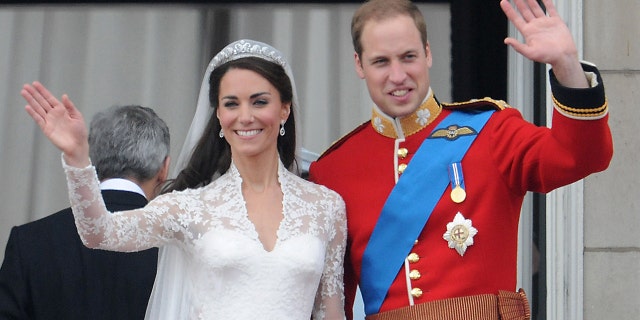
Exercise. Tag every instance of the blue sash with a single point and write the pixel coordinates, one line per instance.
(408, 207)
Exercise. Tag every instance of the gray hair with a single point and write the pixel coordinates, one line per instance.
(128, 142)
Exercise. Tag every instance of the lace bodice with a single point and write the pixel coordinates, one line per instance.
(229, 274)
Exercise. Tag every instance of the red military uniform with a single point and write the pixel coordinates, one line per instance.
(508, 158)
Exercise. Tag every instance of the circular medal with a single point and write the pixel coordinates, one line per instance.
(458, 194)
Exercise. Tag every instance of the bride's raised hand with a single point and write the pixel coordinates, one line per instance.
(60, 121)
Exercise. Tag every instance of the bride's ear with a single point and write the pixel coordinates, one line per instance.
(286, 110)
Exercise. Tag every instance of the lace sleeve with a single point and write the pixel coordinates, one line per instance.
(330, 296)
(124, 231)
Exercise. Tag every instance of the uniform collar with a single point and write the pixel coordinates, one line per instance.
(399, 128)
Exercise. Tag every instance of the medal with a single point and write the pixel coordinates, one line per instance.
(458, 194)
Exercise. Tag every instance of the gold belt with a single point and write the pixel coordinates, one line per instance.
(505, 305)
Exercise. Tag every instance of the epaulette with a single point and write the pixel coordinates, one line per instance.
(335, 145)
(485, 103)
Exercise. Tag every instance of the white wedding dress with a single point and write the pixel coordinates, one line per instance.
(225, 272)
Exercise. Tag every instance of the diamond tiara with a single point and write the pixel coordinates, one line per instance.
(247, 48)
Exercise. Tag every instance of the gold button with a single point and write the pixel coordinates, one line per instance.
(415, 242)
(416, 292)
(401, 167)
(414, 274)
(402, 153)
(413, 257)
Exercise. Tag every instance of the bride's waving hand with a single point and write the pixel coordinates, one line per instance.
(60, 121)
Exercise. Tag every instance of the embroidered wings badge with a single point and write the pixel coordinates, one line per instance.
(452, 132)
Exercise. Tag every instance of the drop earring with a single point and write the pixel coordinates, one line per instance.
(221, 134)
(282, 129)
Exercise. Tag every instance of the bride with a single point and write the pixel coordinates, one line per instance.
(242, 236)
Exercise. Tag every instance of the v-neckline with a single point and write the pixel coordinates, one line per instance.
(251, 224)
(254, 229)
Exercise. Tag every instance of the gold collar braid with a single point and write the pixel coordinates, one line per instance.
(398, 128)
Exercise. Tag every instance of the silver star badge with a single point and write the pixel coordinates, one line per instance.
(460, 233)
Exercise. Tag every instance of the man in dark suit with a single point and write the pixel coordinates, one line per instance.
(48, 273)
